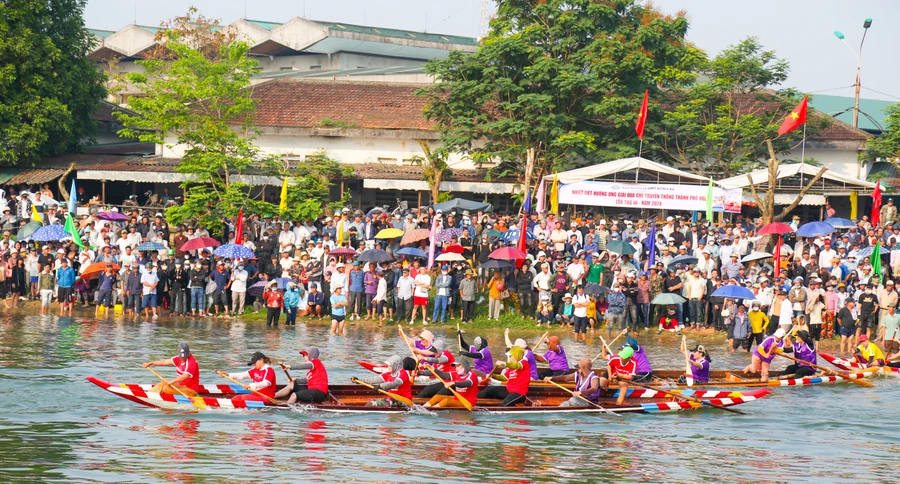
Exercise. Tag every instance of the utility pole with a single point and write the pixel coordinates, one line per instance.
(485, 20)
(858, 54)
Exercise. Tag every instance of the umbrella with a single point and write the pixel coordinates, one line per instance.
(684, 260)
(461, 204)
(199, 243)
(94, 270)
(447, 234)
(211, 287)
(47, 200)
(512, 235)
(343, 251)
(840, 223)
(734, 291)
(593, 289)
(414, 236)
(230, 251)
(282, 281)
(455, 248)
(667, 298)
(864, 252)
(507, 253)
(496, 264)
(450, 256)
(48, 233)
(756, 256)
(112, 216)
(815, 229)
(389, 233)
(492, 233)
(374, 255)
(26, 231)
(411, 252)
(257, 289)
(777, 228)
(622, 248)
(150, 246)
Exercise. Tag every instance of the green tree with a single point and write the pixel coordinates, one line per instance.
(885, 147)
(309, 185)
(562, 77)
(48, 87)
(720, 126)
(434, 168)
(199, 99)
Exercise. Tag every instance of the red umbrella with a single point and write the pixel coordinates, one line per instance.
(507, 253)
(343, 251)
(94, 270)
(414, 236)
(199, 243)
(455, 248)
(777, 228)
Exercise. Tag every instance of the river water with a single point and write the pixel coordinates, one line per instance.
(55, 426)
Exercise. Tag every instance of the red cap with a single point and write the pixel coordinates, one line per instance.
(828, 241)
(863, 338)
(306, 353)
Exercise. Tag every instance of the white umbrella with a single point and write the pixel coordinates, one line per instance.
(450, 256)
(756, 256)
(47, 200)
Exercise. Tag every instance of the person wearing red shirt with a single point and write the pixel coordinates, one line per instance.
(518, 375)
(443, 360)
(398, 380)
(274, 302)
(620, 370)
(316, 380)
(463, 380)
(187, 369)
(263, 377)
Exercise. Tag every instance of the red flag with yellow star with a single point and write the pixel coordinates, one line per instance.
(795, 119)
(642, 116)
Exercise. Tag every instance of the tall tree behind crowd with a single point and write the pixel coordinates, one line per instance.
(198, 98)
(48, 87)
(720, 126)
(562, 77)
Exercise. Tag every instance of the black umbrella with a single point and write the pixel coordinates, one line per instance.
(374, 255)
(594, 289)
(496, 264)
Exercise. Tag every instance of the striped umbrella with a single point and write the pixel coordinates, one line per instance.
(150, 246)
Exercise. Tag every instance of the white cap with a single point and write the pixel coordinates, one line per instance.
(779, 333)
(567, 296)
(520, 343)
(339, 264)
(669, 218)
(602, 221)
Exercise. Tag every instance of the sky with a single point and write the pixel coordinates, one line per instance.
(800, 31)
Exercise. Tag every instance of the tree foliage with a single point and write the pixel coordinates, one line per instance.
(48, 87)
(564, 77)
(720, 126)
(885, 147)
(434, 168)
(199, 101)
(309, 185)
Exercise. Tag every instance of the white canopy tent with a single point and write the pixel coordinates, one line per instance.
(792, 178)
(641, 166)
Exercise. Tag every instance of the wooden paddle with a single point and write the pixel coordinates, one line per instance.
(459, 397)
(197, 401)
(688, 374)
(579, 396)
(283, 367)
(688, 398)
(828, 370)
(459, 338)
(269, 399)
(538, 345)
(608, 349)
(403, 400)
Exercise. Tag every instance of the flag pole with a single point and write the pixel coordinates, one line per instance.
(803, 145)
(641, 147)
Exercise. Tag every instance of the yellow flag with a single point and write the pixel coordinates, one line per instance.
(854, 204)
(554, 195)
(35, 215)
(283, 205)
(340, 232)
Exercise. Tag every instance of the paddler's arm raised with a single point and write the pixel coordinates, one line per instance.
(506, 338)
(462, 341)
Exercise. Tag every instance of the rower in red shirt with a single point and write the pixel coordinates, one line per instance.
(315, 383)
(397, 380)
(463, 380)
(187, 369)
(620, 370)
(443, 360)
(517, 372)
(263, 377)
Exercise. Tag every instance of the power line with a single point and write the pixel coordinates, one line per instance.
(879, 92)
(455, 13)
(832, 89)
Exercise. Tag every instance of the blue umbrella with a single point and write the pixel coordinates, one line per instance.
(231, 251)
(815, 229)
(684, 260)
(864, 252)
(375, 255)
(734, 292)
(148, 246)
(512, 235)
(840, 223)
(49, 233)
(411, 252)
(257, 289)
(282, 281)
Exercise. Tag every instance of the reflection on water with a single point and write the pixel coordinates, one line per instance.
(56, 426)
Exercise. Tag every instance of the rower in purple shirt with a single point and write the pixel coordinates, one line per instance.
(803, 351)
(480, 354)
(529, 355)
(644, 371)
(555, 357)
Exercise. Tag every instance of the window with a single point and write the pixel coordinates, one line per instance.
(315, 68)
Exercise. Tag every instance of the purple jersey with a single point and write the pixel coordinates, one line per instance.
(701, 375)
(557, 361)
(532, 363)
(583, 385)
(484, 364)
(802, 351)
(765, 348)
(643, 363)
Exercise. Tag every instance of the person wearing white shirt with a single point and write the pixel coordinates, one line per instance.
(286, 238)
(826, 255)
(339, 278)
(238, 288)
(580, 303)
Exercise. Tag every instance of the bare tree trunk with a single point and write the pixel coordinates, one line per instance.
(62, 183)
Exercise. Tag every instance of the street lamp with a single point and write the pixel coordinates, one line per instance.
(858, 54)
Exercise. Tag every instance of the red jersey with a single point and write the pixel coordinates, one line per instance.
(668, 323)
(190, 367)
(405, 389)
(448, 366)
(267, 373)
(274, 299)
(618, 367)
(470, 393)
(519, 380)
(317, 377)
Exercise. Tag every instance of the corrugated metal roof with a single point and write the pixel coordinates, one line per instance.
(264, 24)
(832, 105)
(399, 34)
(33, 176)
